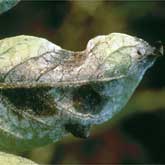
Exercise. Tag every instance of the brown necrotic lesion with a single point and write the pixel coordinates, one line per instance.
(36, 100)
(87, 100)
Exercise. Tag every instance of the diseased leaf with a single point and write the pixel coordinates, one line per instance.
(47, 91)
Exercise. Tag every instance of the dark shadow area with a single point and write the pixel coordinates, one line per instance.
(34, 18)
(147, 129)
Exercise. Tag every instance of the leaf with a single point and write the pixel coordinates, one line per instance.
(47, 92)
(8, 159)
(7, 4)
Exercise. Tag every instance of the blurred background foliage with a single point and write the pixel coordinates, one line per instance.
(135, 135)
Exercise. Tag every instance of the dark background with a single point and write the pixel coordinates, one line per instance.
(136, 135)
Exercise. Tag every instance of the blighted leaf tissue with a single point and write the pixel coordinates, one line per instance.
(47, 91)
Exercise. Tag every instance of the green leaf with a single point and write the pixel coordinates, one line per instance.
(7, 4)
